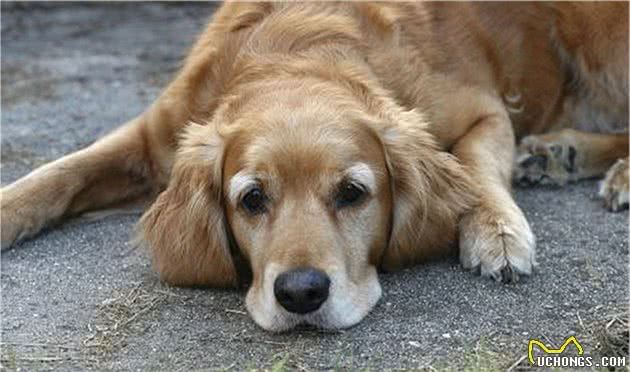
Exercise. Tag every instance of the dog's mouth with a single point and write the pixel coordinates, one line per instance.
(319, 320)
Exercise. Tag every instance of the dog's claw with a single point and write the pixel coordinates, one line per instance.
(509, 275)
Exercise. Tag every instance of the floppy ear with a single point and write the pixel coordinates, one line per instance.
(430, 188)
(185, 227)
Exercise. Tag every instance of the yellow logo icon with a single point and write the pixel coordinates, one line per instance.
(530, 348)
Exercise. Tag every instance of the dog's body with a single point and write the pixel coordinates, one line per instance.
(313, 139)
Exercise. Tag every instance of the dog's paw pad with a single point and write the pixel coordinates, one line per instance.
(541, 162)
(614, 187)
(501, 248)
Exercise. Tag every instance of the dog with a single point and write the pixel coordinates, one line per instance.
(311, 144)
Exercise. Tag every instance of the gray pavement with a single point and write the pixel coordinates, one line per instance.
(81, 297)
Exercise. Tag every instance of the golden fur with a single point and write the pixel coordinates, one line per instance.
(427, 100)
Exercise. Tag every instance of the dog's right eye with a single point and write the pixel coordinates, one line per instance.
(254, 201)
(349, 194)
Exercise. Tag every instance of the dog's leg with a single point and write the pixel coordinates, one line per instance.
(131, 161)
(495, 235)
(570, 155)
(567, 155)
(128, 163)
(113, 169)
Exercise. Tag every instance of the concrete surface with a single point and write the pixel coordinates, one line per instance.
(80, 296)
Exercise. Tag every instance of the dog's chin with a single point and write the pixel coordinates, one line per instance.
(347, 306)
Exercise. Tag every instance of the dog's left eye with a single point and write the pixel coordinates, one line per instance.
(349, 194)
(254, 201)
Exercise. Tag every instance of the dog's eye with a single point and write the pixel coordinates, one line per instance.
(254, 201)
(348, 194)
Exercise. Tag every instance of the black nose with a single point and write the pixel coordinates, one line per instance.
(301, 290)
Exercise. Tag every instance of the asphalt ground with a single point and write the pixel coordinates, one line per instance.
(80, 296)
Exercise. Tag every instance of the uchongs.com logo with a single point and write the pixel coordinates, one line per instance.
(566, 356)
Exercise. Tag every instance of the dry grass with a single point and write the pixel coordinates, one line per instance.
(613, 335)
(118, 317)
(607, 335)
(34, 356)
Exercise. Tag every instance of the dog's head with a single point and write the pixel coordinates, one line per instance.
(315, 188)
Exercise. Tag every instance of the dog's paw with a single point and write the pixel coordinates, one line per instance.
(15, 225)
(614, 187)
(10, 231)
(498, 243)
(542, 162)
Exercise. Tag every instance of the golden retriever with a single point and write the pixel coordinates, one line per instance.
(313, 143)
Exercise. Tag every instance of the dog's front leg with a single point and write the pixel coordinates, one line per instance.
(495, 235)
(131, 161)
(111, 170)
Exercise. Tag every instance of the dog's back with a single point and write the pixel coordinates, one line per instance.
(556, 65)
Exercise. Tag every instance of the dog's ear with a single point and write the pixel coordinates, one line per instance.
(185, 227)
(431, 190)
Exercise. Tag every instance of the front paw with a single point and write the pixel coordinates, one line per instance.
(15, 226)
(614, 187)
(10, 230)
(10, 233)
(539, 161)
(498, 242)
